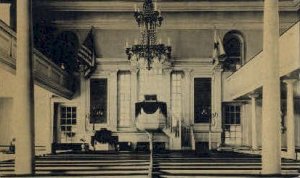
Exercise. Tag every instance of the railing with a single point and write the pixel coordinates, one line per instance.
(253, 57)
(248, 77)
(186, 137)
(193, 141)
(49, 75)
(46, 74)
(7, 46)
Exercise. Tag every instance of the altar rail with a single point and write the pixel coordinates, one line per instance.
(249, 77)
(46, 74)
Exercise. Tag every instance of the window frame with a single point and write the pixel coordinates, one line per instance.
(235, 34)
(193, 96)
(176, 96)
(107, 100)
(73, 126)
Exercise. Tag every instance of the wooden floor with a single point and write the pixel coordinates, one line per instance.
(171, 164)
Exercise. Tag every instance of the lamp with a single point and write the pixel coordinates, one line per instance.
(148, 50)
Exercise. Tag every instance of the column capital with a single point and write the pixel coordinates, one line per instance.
(134, 71)
(167, 71)
(253, 95)
(218, 68)
(187, 72)
(289, 81)
(114, 72)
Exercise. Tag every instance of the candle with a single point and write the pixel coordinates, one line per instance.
(126, 44)
(155, 6)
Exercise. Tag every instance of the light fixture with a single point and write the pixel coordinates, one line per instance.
(148, 51)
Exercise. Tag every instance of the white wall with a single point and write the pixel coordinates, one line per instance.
(43, 120)
(7, 83)
(6, 123)
(297, 121)
(5, 13)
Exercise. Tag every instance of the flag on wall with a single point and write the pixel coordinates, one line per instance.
(86, 54)
(218, 51)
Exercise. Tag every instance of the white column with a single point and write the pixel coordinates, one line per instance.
(167, 89)
(253, 121)
(24, 98)
(113, 89)
(217, 99)
(271, 136)
(290, 119)
(187, 96)
(134, 95)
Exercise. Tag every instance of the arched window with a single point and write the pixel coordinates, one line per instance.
(235, 50)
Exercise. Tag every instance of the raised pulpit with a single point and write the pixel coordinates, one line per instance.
(150, 114)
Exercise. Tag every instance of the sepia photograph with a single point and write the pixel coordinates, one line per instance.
(150, 88)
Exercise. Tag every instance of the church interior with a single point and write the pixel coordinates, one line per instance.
(149, 88)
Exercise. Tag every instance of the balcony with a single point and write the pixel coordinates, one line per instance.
(249, 77)
(46, 73)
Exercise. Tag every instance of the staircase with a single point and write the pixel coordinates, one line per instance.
(181, 136)
(88, 164)
(189, 164)
(174, 134)
(172, 164)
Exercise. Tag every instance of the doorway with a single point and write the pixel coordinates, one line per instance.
(65, 123)
(232, 134)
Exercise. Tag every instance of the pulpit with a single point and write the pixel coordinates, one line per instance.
(150, 114)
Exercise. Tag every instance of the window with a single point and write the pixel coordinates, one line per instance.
(98, 101)
(68, 121)
(202, 100)
(124, 104)
(232, 115)
(234, 48)
(176, 97)
(232, 123)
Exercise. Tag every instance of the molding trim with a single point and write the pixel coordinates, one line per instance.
(8, 61)
(170, 6)
(197, 64)
(179, 24)
(49, 85)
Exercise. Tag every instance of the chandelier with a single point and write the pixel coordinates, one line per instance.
(148, 50)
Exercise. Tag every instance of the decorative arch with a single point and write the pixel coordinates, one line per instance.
(234, 46)
(64, 51)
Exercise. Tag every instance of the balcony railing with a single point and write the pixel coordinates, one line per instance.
(249, 77)
(46, 74)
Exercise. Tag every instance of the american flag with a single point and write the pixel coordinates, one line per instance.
(218, 51)
(86, 54)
